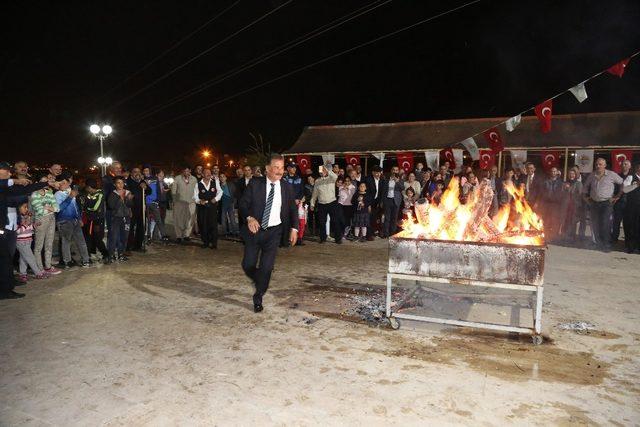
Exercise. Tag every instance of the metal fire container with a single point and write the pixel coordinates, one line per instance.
(464, 261)
(490, 265)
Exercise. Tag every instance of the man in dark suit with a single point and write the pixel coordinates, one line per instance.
(10, 189)
(533, 185)
(391, 190)
(241, 184)
(269, 209)
(374, 183)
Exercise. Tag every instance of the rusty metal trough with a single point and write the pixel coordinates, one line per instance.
(491, 265)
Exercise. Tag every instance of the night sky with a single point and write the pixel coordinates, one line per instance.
(66, 64)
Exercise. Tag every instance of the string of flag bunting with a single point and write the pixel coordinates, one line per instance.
(487, 157)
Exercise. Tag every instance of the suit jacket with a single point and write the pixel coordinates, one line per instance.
(7, 192)
(397, 191)
(535, 188)
(254, 200)
(371, 189)
(240, 187)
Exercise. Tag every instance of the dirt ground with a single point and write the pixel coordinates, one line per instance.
(170, 338)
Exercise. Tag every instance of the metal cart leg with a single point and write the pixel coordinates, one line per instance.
(389, 295)
(538, 316)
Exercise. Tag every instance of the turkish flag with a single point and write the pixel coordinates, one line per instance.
(550, 159)
(544, 112)
(352, 159)
(618, 69)
(619, 156)
(304, 163)
(405, 161)
(487, 159)
(494, 139)
(447, 155)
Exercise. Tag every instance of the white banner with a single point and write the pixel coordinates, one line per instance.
(433, 159)
(518, 158)
(328, 158)
(379, 156)
(472, 148)
(458, 158)
(579, 91)
(513, 122)
(584, 160)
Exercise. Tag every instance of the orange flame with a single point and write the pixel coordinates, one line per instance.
(515, 223)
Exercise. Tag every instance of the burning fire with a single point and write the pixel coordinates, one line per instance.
(515, 223)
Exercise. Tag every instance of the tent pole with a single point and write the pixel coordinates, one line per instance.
(500, 165)
(566, 162)
(366, 166)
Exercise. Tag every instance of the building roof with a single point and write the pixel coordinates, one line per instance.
(594, 130)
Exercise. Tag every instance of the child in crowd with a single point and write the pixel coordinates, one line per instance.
(93, 228)
(409, 202)
(437, 193)
(119, 203)
(345, 195)
(23, 245)
(362, 204)
(44, 206)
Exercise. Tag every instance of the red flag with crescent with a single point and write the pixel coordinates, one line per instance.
(544, 112)
(550, 159)
(618, 69)
(487, 159)
(405, 161)
(447, 155)
(494, 139)
(619, 156)
(304, 163)
(352, 159)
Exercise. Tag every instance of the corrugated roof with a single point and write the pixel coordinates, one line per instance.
(597, 130)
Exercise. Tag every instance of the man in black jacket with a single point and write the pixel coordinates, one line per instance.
(139, 188)
(268, 208)
(374, 182)
(10, 188)
(391, 190)
(241, 184)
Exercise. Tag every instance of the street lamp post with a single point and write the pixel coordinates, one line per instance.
(102, 132)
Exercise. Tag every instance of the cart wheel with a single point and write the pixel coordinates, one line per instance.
(537, 339)
(395, 323)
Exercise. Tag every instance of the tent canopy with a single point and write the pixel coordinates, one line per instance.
(594, 130)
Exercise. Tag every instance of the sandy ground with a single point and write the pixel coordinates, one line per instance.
(169, 338)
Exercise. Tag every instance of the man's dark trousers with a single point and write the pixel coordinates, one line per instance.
(7, 242)
(207, 216)
(601, 222)
(260, 251)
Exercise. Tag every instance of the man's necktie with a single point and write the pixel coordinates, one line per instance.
(267, 208)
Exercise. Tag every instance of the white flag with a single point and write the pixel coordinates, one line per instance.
(379, 156)
(513, 122)
(328, 158)
(472, 148)
(433, 159)
(579, 91)
(458, 158)
(584, 160)
(518, 158)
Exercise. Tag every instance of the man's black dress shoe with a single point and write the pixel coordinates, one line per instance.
(257, 308)
(15, 295)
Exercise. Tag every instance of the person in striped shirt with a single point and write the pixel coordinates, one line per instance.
(44, 206)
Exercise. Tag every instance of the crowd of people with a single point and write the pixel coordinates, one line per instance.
(107, 220)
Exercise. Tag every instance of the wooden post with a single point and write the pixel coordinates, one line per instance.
(566, 162)
(366, 166)
(500, 165)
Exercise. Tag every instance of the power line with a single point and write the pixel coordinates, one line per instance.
(305, 67)
(204, 52)
(260, 59)
(167, 51)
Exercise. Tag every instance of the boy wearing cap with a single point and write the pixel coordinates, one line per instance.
(70, 223)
